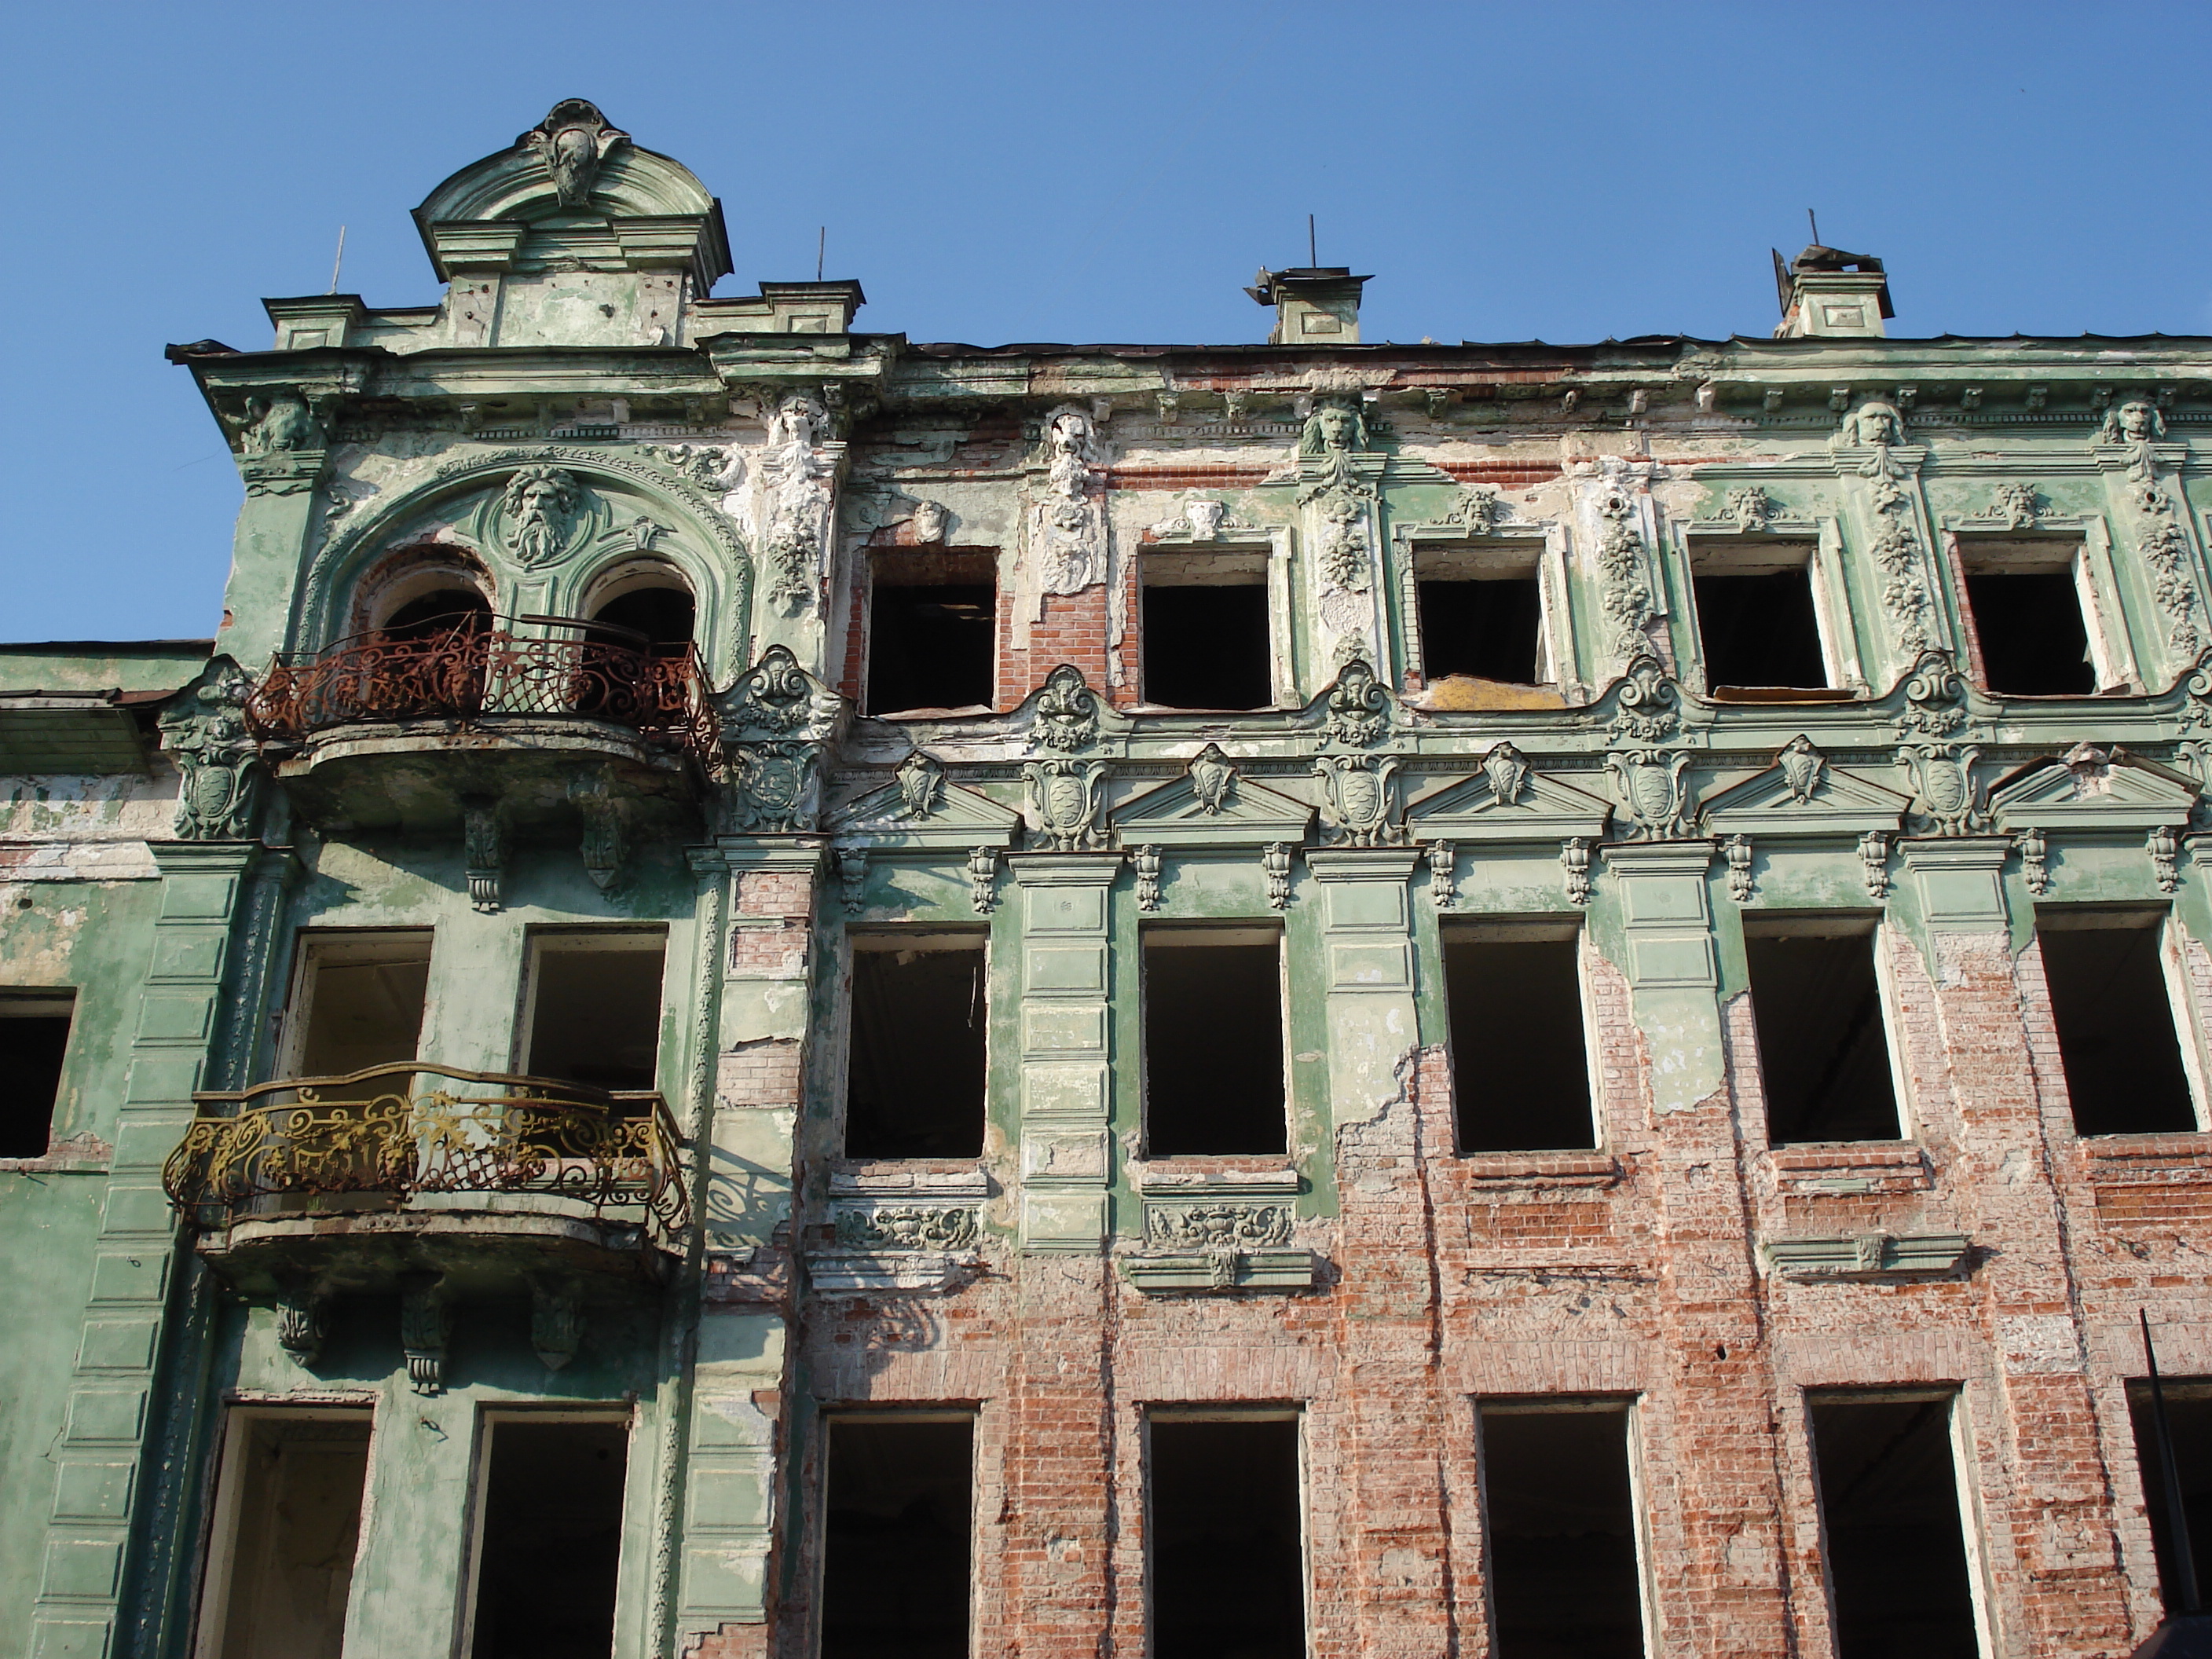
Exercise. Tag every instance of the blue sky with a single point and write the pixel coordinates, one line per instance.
(1083, 173)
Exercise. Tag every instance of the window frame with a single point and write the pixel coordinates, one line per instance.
(314, 947)
(2189, 1034)
(1230, 1410)
(908, 936)
(1541, 548)
(1246, 931)
(2111, 658)
(1267, 552)
(816, 1487)
(1533, 929)
(1752, 556)
(872, 562)
(582, 940)
(45, 1002)
(1877, 928)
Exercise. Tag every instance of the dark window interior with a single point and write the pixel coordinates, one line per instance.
(552, 1541)
(1227, 1556)
(914, 1087)
(2028, 623)
(664, 616)
(2114, 1019)
(895, 1554)
(2189, 1419)
(931, 632)
(438, 613)
(1520, 1075)
(1561, 1525)
(1822, 1050)
(1207, 646)
(1213, 1046)
(1485, 627)
(33, 1039)
(1889, 1513)
(296, 1482)
(1758, 628)
(364, 1005)
(595, 1012)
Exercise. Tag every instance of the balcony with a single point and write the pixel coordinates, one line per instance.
(480, 1180)
(383, 732)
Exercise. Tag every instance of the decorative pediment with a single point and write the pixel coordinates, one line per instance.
(1212, 805)
(2090, 788)
(1508, 801)
(1800, 794)
(923, 810)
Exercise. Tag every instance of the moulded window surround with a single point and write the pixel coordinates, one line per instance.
(1821, 1003)
(1206, 634)
(284, 1533)
(1898, 1528)
(591, 1006)
(426, 581)
(645, 605)
(932, 630)
(2124, 1015)
(917, 1057)
(897, 1535)
(1214, 1041)
(1759, 619)
(1484, 609)
(2189, 1419)
(35, 1034)
(2033, 616)
(1226, 1578)
(1522, 1077)
(545, 1542)
(1564, 1528)
(357, 1001)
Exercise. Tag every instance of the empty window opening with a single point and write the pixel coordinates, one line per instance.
(1559, 1518)
(661, 616)
(1228, 1575)
(2189, 1419)
(593, 1012)
(2025, 597)
(1205, 630)
(287, 1526)
(34, 1029)
(1823, 1043)
(915, 1085)
(549, 1539)
(1890, 1519)
(1481, 614)
(1213, 1041)
(1520, 1067)
(446, 610)
(1756, 620)
(2115, 1015)
(933, 623)
(895, 1551)
(358, 1002)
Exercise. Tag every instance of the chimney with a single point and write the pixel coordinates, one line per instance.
(1826, 292)
(1314, 305)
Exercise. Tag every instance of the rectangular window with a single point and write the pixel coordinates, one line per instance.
(1891, 1524)
(1225, 1535)
(34, 1029)
(2026, 594)
(1204, 633)
(1756, 620)
(547, 1536)
(1559, 1520)
(287, 1525)
(1823, 1043)
(2189, 1419)
(358, 1001)
(932, 630)
(1213, 1041)
(592, 1013)
(895, 1545)
(1520, 1065)
(914, 1082)
(2115, 1010)
(1481, 614)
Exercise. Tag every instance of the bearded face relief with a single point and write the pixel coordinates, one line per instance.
(540, 503)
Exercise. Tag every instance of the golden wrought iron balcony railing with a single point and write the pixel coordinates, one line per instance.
(400, 1130)
(470, 674)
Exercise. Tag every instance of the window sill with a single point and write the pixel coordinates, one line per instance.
(2118, 1159)
(915, 1177)
(83, 1154)
(1541, 1169)
(1844, 1168)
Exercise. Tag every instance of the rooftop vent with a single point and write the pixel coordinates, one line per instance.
(1314, 305)
(1826, 292)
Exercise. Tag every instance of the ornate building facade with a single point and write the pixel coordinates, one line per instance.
(778, 991)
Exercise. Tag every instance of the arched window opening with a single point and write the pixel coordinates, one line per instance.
(664, 616)
(444, 611)
(636, 650)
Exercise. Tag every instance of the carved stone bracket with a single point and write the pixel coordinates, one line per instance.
(426, 1324)
(1867, 1257)
(606, 828)
(301, 1321)
(1276, 860)
(557, 1323)
(1215, 1243)
(483, 850)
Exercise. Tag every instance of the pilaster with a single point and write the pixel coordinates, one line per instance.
(1367, 928)
(1664, 913)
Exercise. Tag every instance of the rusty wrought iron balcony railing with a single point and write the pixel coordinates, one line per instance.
(471, 674)
(399, 1131)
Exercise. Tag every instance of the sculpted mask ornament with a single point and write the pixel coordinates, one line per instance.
(1649, 706)
(795, 495)
(1065, 794)
(2134, 421)
(1359, 710)
(928, 523)
(1205, 519)
(1067, 526)
(1212, 778)
(1749, 507)
(206, 735)
(2017, 505)
(1335, 427)
(1066, 716)
(1874, 425)
(540, 503)
(280, 425)
(570, 142)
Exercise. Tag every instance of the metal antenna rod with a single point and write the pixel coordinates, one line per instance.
(821, 241)
(1816, 223)
(337, 264)
(1313, 259)
(2176, 1517)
